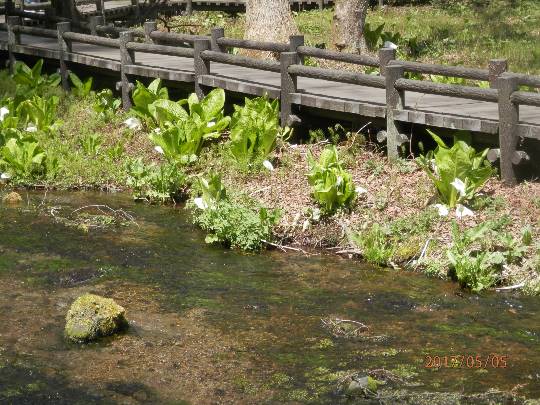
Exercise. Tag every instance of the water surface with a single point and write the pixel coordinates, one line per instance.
(211, 325)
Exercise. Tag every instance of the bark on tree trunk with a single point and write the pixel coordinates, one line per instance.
(348, 25)
(268, 20)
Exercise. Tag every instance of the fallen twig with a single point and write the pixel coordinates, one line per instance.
(283, 247)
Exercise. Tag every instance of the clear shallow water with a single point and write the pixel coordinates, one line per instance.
(210, 325)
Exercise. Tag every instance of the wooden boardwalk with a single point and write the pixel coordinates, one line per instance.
(435, 110)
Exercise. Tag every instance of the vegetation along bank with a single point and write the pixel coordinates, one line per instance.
(251, 184)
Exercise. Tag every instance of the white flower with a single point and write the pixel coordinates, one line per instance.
(459, 186)
(462, 211)
(391, 45)
(339, 180)
(443, 209)
(133, 123)
(158, 149)
(3, 112)
(157, 130)
(360, 190)
(5, 176)
(200, 203)
(268, 165)
(31, 128)
(210, 124)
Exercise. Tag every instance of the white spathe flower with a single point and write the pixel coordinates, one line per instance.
(5, 176)
(3, 112)
(210, 124)
(360, 190)
(443, 209)
(391, 45)
(339, 180)
(157, 130)
(459, 186)
(31, 128)
(158, 149)
(462, 211)
(133, 123)
(268, 165)
(200, 203)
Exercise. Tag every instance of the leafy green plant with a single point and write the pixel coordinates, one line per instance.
(39, 112)
(91, 144)
(373, 35)
(233, 223)
(333, 134)
(478, 254)
(81, 89)
(144, 96)
(23, 158)
(116, 151)
(155, 183)
(182, 134)
(331, 185)
(255, 130)
(375, 244)
(459, 172)
(33, 79)
(105, 104)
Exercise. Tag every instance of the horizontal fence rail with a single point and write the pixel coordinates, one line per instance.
(256, 45)
(525, 98)
(91, 39)
(244, 61)
(442, 70)
(160, 49)
(471, 93)
(506, 88)
(337, 76)
(338, 56)
(42, 32)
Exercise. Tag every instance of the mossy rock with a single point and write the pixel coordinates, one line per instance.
(92, 316)
(12, 198)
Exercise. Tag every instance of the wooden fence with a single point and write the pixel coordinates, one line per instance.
(205, 50)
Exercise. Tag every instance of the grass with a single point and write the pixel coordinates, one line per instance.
(455, 35)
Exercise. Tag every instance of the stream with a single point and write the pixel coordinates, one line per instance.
(210, 325)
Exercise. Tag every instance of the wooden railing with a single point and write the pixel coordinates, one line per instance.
(205, 50)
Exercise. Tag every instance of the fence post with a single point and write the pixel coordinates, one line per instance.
(508, 122)
(14, 39)
(189, 7)
(320, 3)
(9, 8)
(99, 6)
(64, 46)
(149, 27)
(93, 22)
(216, 33)
(127, 57)
(74, 13)
(386, 55)
(136, 6)
(395, 100)
(288, 86)
(201, 66)
(294, 42)
(496, 68)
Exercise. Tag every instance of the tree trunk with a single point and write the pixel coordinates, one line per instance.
(268, 20)
(348, 25)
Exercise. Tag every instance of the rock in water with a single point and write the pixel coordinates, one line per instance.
(12, 198)
(92, 316)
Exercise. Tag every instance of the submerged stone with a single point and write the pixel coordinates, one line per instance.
(12, 198)
(92, 316)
